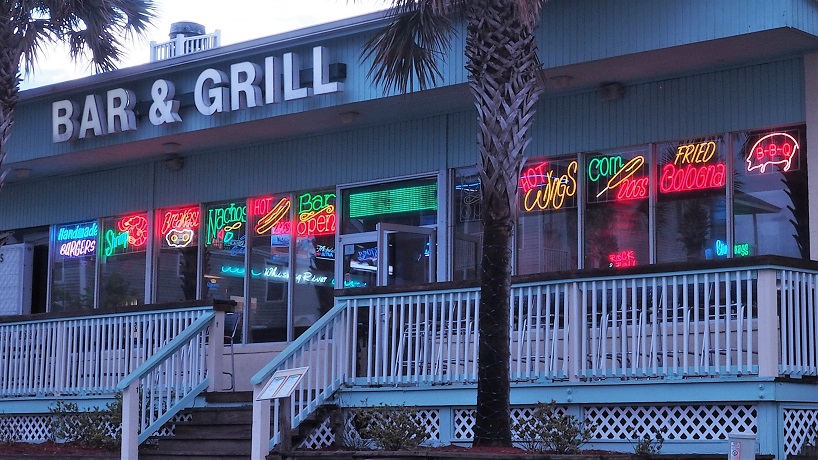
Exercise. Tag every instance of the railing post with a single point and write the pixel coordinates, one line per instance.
(153, 51)
(179, 46)
(574, 331)
(130, 422)
(215, 351)
(768, 324)
(217, 38)
(260, 434)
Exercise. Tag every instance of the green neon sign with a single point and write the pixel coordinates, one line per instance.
(399, 200)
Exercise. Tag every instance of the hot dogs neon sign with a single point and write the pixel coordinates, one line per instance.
(272, 216)
(778, 149)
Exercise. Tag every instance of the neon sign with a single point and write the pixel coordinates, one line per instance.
(739, 249)
(80, 231)
(131, 232)
(224, 223)
(79, 240)
(691, 169)
(78, 248)
(272, 217)
(277, 273)
(543, 189)
(623, 259)
(180, 219)
(620, 176)
(324, 252)
(179, 238)
(316, 215)
(773, 149)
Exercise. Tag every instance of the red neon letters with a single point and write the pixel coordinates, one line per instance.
(180, 219)
(772, 149)
(690, 169)
(626, 258)
(271, 217)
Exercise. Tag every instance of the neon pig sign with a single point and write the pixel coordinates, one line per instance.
(691, 169)
(773, 149)
(78, 240)
(179, 226)
(543, 188)
(620, 176)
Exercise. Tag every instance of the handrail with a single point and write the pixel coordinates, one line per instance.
(167, 382)
(325, 349)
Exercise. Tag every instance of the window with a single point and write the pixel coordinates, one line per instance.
(547, 220)
(178, 236)
(412, 202)
(75, 251)
(770, 205)
(225, 237)
(691, 214)
(268, 318)
(315, 225)
(466, 225)
(617, 231)
(122, 261)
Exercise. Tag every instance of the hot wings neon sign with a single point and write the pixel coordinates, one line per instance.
(773, 149)
(543, 188)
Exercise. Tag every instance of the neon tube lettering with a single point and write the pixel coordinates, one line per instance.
(80, 231)
(78, 248)
(691, 177)
(273, 216)
(772, 149)
(115, 240)
(544, 191)
(626, 258)
(180, 219)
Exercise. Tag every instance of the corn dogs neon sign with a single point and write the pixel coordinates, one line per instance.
(626, 179)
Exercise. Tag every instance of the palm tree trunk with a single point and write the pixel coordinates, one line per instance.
(503, 65)
(9, 86)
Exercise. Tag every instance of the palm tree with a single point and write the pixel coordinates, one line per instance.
(502, 62)
(88, 27)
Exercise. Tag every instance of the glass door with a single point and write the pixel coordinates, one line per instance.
(393, 255)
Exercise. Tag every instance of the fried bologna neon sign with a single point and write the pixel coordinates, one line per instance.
(691, 169)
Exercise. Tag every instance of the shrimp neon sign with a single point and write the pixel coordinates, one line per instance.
(773, 149)
(131, 231)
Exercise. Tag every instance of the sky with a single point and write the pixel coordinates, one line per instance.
(238, 21)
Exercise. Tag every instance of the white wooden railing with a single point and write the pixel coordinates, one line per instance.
(181, 45)
(691, 324)
(85, 355)
(169, 380)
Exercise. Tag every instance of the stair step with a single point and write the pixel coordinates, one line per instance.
(171, 445)
(229, 397)
(234, 431)
(218, 415)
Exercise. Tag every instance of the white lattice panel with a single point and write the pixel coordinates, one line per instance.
(320, 437)
(679, 422)
(430, 418)
(464, 420)
(25, 428)
(799, 426)
(168, 429)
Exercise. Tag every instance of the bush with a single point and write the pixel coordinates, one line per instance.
(549, 429)
(388, 427)
(650, 443)
(91, 428)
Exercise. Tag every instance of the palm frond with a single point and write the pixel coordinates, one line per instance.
(409, 48)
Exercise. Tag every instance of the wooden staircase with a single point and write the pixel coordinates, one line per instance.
(221, 430)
